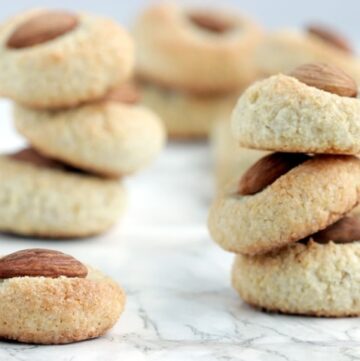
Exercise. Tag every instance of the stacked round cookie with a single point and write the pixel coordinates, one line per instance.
(48, 297)
(192, 64)
(68, 74)
(290, 217)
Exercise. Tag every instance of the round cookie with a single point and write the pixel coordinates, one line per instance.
(53, 59)
(106, 137)
(55, 309)
(283, 51)
(186, 115)
(282, 113)
(197, 51)
(306, 199)
(307, 279)
(41, 198)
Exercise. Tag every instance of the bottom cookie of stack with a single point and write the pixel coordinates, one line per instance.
(45, 198)
(304, 278)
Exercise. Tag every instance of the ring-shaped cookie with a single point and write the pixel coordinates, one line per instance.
(36, 200)
(59, 310)
(78, 66)
(307, 279)
(197, 51)
(283, 114)
(107, 137)
(283, 51)
(301, 202)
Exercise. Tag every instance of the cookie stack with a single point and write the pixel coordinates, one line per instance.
(68, 74)
(291, 217)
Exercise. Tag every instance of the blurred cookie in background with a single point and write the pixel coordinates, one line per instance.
(284, 50)
(193, 63)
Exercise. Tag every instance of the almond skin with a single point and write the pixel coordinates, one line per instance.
(345, 230)
(42, 28)
(267, 170)
(210, 21)
(40, 262)
(326, 77)
(330, 37)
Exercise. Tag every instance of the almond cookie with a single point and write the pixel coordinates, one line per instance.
(48, 297)
(199, 51)
(313, 110)
(56, 59)
(283, 198)
(282, 51)
(107, 137)
(40, 197)
(307, 279)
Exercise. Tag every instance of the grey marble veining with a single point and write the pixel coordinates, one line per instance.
(180, 304)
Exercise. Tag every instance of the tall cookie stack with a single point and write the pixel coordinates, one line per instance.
(67, 74)
(290, 218)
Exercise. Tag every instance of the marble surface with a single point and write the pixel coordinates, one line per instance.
(180, 304)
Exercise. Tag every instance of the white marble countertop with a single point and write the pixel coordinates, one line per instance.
(180, 304)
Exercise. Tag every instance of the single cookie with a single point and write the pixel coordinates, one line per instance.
(56, 59)
(41, 198)
(282, 113)
(307, 279)
(230, 160)
(286, 199)
(197, 51)
(106, 137)
(187, 115)
(48, 297)
(283, 51)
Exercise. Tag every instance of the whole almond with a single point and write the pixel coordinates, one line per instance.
(330, 36)
(42, 28)
(345, 230)
(128, 93)
(41, 262)
(210, 21)
(267, 170)
(326, 77)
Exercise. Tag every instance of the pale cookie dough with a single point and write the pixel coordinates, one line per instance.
(106, 137)
(47, 310)
(185, 115)
(307, 279)
(284, 50)
(42, 200)
(301, 202)
(199, 51)
(79, 66)
(283, 114)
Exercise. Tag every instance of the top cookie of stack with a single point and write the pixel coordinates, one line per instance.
(289, 217)
(68, 74)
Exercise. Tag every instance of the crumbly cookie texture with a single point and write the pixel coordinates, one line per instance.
(107, 137)
(78, 66)
(181, 53)
(283, 114)
(50, 203)
(186, 115)
(59, 310)
(303, 201)
(283, 51)
(307, 279)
